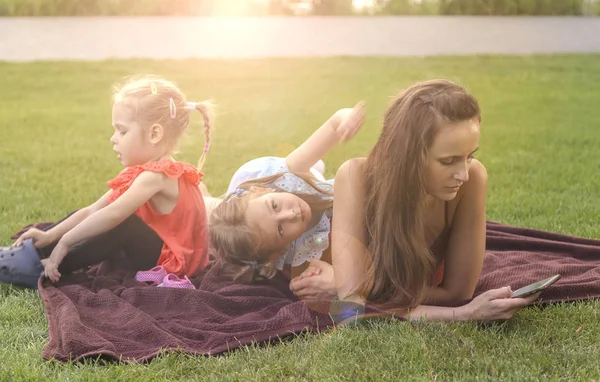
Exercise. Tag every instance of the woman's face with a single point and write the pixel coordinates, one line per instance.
(449, 158)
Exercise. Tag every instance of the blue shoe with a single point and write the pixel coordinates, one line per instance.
(21, 265)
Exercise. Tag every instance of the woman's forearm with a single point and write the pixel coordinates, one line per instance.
(435, 313)
(442, 296)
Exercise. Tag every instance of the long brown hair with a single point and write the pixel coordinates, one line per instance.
(235, 245)
(394, 174)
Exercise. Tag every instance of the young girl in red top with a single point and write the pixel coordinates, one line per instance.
(154, 211)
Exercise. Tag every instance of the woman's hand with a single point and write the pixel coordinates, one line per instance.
(40, 238)
(315, 283)
(495, 305)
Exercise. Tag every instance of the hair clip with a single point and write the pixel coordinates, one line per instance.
(172, 109)
(153, 88)
(236, 192)
(206, 147)
(191, 106)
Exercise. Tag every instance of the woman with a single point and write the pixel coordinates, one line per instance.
(408, 227)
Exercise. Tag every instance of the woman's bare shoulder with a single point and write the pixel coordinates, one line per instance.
(352, 169)
(474, 189)
(477, 177)
(349, 180)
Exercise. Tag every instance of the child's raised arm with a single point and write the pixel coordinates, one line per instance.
(342, 126)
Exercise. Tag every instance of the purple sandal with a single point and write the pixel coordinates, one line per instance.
(172, 281)
(153, 276)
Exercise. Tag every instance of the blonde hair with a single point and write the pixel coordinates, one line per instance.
(157, 101)
(236, 247)
(401, 262)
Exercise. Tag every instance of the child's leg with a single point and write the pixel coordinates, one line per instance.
(141, 245)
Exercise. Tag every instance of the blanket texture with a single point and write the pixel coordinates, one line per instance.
(104, 311)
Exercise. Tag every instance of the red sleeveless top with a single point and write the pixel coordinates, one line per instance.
(184, 230)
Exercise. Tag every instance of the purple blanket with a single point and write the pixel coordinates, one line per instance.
(105, 312)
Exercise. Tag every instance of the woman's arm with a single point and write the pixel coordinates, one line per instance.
(349, 252)
(493, 305)
(342, 126)
(351, 258)
(466, 245)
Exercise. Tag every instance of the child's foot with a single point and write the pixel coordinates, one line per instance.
(21, 265)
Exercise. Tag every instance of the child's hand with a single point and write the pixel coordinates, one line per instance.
(51, 270)
(319, 286)
(40, 238)
(312, 270)
(52, 263)
(349, 121)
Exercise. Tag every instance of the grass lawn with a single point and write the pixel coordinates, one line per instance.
(540, 145)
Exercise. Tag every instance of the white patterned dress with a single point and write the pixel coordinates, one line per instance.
(313, 242)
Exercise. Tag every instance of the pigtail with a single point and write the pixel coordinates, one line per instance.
(243, 271)
(206, 109)
(245, 274)
(251, 271)
(267, 270)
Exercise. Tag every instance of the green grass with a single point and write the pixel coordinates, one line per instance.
(539, 143)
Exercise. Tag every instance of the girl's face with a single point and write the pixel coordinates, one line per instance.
(279, 218)
(449, 158)
(130, 140)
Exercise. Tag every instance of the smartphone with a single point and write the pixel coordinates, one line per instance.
(535, 287)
